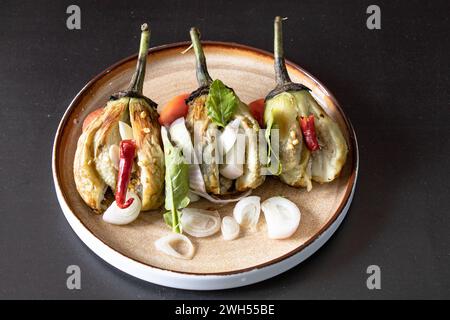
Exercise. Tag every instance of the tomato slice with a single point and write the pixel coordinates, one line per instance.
(174, 109)
(257, 110)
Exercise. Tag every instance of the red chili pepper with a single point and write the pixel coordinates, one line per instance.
(127, 152)
(309, 132)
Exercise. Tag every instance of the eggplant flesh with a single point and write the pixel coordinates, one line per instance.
(252, 177)
(322, 165)
(88, 181)
(150, 155)
(328, 161)
(93, 168)
(106, 136)
(294, 156)
(285, 105)
(204, 134)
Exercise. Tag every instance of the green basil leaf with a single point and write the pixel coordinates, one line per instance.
(176, 181)
(221, 103)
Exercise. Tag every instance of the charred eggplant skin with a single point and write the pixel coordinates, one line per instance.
(93, 170)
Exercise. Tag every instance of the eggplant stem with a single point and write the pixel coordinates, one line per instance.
(137, 82)
(203, 77)
(281, 74)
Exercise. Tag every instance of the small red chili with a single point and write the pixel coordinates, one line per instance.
(309, 132)
(127, 152)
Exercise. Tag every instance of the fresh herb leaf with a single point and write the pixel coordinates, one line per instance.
(176, 181)
(269, 148)
(221, 103)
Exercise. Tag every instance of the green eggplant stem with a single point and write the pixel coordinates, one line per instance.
(203, 76)
(137, 82)
(281, 74)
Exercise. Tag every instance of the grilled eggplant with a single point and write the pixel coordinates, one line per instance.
(312, 146)
(203, 124)
(94, 170)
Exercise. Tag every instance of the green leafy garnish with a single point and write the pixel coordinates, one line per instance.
(177, 183)
(269, 148)
(221, 103)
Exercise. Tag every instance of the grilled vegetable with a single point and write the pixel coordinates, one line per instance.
(311, 144)
(90, 117)
(281, 114)
(211, 107)
(95, 171)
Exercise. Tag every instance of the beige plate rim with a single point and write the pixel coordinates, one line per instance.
(353, 147)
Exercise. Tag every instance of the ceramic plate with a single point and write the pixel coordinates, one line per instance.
(217, 264)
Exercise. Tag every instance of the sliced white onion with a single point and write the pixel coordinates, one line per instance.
(232, 171)
(193, 197)
(282, 217)
(168, 245)
(118, 216)
(247, 210)
(216, 200)
(196, 181)
(126, 132)
(180, 135)
(228, 136)
(233, 168)
(230, 228)
(200, 223)
(114, 155)
(182, 138)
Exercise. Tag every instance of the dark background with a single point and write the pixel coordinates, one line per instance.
(393, 84)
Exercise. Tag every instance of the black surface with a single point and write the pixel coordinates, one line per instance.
(393, 84)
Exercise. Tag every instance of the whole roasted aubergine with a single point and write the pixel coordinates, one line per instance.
(311, 145)
(121, 148)
(213, 108)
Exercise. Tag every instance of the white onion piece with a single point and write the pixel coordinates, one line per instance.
(168, 245)
(114, 155)
(182, 138)
(282, 217)
(233, 168)
(126, 133)
(118, 216)
(216, 200)
(196, 181)
(230, 228)
(232, 171)
(200, 223)
(229, 135)
(193, 197)
(247, 210)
